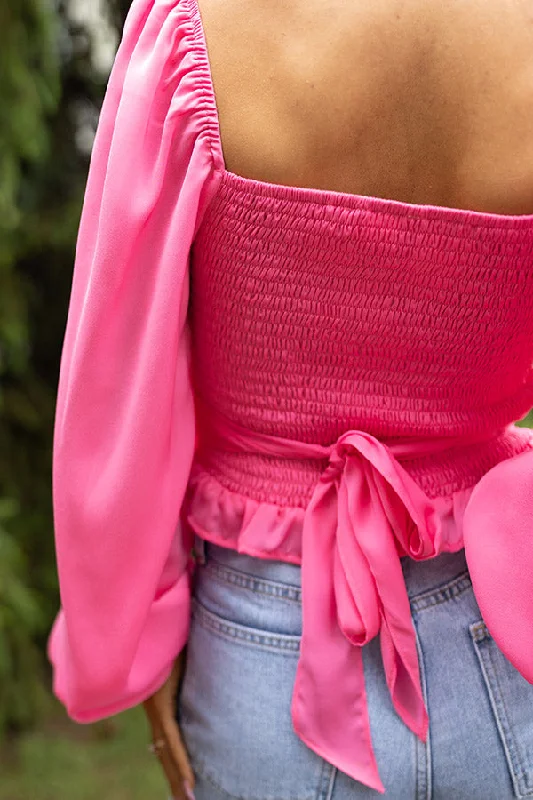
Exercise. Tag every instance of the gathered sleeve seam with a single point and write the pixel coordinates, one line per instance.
(205, 85)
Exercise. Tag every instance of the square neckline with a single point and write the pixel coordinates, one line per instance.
(308, 194)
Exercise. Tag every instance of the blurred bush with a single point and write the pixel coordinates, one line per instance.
(50, 93)
(29, 95)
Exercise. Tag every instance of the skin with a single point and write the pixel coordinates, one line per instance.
(424, 102)
(421, 101)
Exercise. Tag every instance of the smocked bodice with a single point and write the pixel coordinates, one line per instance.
(316, 312)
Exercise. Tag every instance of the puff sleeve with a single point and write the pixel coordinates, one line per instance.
(124, 434)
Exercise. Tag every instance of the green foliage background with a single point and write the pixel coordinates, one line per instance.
(49, 89)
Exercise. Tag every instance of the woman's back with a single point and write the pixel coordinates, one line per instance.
(424, 102)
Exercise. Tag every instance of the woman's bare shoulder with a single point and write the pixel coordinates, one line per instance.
(418, 100)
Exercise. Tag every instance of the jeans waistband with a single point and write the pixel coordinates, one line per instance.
(420, 576)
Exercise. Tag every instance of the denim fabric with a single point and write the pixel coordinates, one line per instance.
(234, 704)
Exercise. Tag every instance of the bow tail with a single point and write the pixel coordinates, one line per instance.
(403, 679)
(378, 541)
(330, 713)
(400, 655)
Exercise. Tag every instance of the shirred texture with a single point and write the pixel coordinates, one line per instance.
(337, 388)
(314, 313)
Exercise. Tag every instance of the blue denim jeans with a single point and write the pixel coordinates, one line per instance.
(234, 704)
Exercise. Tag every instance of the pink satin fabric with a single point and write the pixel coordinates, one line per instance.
(124, 432)
(365, 514)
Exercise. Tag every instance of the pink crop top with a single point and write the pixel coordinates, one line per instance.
(317, 377)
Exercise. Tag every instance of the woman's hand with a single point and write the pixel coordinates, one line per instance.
(166, 736)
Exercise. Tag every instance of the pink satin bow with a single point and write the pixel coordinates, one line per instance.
(365, 513)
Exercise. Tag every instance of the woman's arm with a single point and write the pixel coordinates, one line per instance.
(124, 433)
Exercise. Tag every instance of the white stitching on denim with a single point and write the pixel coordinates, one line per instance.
(480, 633)
(441, 594)
(424, 792)
(244, 580)
(279, 642)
